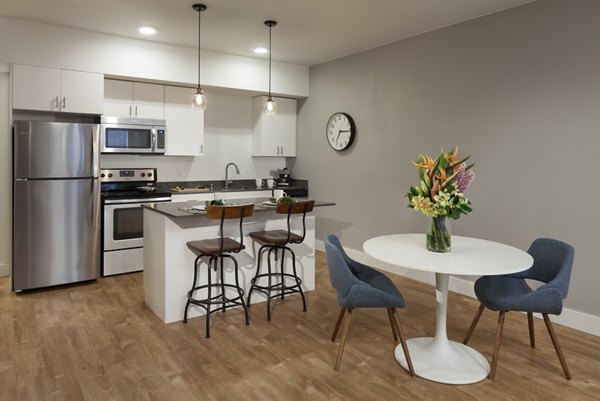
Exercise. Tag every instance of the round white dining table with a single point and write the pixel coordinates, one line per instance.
(436, 358)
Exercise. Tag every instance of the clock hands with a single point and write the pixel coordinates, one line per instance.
(340, 132)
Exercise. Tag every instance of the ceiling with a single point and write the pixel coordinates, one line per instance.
(308, 32)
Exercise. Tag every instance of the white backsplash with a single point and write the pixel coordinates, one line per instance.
(227, 138)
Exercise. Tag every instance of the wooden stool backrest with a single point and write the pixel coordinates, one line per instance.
(218, 212)
(225, 212)
(295, 207)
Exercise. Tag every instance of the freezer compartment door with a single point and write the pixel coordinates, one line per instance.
(55, 150)
(56, 232)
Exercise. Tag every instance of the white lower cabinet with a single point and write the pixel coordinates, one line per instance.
(203, 196)
(223, 195)
(267, 193)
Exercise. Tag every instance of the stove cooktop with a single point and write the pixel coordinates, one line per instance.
(133, 194)
(136, 183)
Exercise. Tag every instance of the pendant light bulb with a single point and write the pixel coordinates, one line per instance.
(199, 100)
(270, 106)
(270, 103)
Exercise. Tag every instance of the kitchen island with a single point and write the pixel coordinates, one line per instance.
(168, 263)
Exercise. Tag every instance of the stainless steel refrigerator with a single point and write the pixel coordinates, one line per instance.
(56, 210)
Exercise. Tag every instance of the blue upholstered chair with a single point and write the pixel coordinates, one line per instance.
(552, 264)
(360, 286)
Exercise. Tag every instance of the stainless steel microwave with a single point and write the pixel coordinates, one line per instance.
(132, 135)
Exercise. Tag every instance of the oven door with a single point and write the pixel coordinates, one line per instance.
(124, 223)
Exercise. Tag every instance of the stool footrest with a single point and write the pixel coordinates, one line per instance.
(216, 299)
(279, 287)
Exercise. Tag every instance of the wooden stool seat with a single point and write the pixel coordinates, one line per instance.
(275, 243)
(215, 246)
(275, 237)
(217, 250)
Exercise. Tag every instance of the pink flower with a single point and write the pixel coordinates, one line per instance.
(464, 178)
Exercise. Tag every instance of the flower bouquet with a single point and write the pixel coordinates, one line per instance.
(439, 194)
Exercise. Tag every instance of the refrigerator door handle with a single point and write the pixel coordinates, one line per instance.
(95, 217)
(95, 150)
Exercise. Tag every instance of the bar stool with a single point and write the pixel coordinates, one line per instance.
(276, 242)
(217, 249)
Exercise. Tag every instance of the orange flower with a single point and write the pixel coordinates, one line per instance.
(427, 163)
(441, 175)
(451, 156)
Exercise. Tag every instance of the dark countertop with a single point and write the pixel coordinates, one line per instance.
(181, 209)
(235, 186)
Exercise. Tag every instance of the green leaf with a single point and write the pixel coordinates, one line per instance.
(443, 161)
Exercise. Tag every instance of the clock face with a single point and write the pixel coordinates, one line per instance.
(340, 131)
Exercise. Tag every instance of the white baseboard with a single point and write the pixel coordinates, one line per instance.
(569, 317)
(4, 270)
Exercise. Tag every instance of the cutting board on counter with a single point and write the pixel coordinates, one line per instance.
(189, 190)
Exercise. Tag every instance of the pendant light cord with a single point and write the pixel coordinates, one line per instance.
(270, 52)
(199, 32)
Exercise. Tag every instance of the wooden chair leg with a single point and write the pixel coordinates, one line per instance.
(559, 352)
(497, 345)
(531, 330)
(411, 369)
(474, 323)
(338, 360)
(391, 317)
(337, 324)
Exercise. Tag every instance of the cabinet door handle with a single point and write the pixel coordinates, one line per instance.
(135, 111)
(281, 150)
(201, 149)
(130, 111)
(64, 103)
(55, 103)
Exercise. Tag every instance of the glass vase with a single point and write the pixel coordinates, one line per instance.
(438, 237)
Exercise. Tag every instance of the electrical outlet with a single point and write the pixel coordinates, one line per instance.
(179, 173)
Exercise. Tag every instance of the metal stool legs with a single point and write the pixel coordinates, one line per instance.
(220, 298)
(280, 288)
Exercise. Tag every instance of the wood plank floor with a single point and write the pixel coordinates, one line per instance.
(98, 341)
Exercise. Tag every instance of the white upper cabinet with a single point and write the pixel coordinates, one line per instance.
(185, 124)
(274, 135)
(133, 99)
(52, 89)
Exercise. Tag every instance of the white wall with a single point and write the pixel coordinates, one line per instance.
(227, 130)
(25, 42)
(5, 175)
(519, 90)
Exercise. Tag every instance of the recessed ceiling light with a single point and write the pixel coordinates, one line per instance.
(261, 50)
(147, 30)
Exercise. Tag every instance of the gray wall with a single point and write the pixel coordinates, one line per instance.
(519, 90)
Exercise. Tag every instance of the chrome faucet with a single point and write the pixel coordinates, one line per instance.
(237, 171)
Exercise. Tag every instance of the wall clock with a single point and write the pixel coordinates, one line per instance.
(340, 131)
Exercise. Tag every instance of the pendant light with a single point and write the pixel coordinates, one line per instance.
(199, 99)
(270, 104)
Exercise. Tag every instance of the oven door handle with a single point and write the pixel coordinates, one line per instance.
(143, 200)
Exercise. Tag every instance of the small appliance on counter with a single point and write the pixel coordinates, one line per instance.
(123, 191)
(284, 177)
